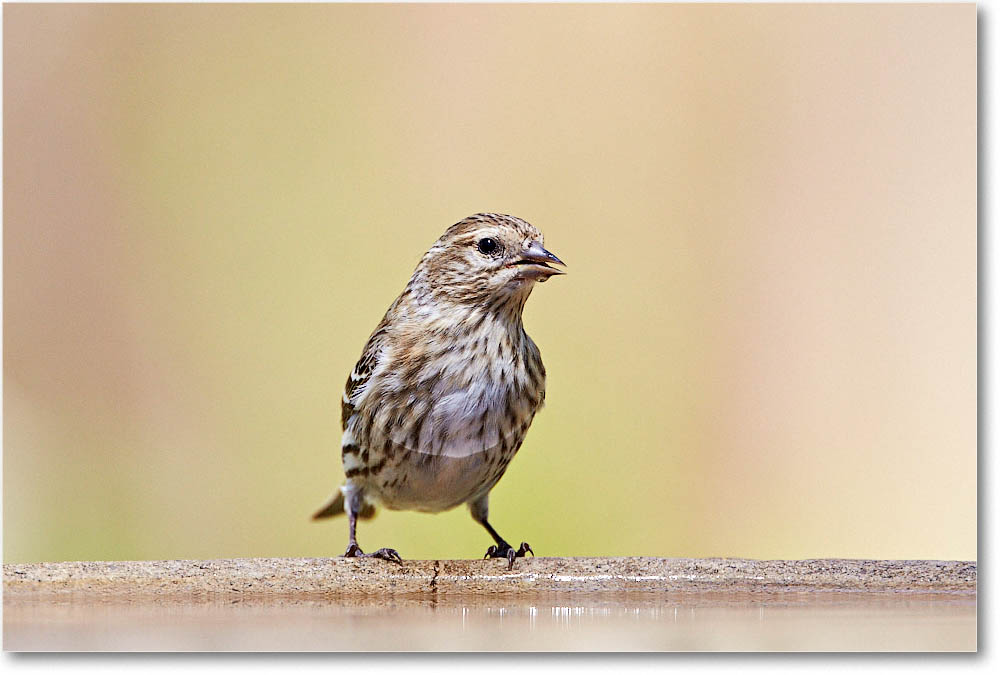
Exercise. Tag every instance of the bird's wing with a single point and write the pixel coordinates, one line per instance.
(363, 369)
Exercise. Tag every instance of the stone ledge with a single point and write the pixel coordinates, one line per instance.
(341, 576)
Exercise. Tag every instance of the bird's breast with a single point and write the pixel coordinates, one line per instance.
(462, 414)
(462, 400)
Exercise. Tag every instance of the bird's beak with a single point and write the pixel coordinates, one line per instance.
(536, 263)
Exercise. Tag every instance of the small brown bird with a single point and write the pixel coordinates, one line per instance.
(448, 383)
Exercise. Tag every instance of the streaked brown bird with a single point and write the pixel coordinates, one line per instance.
(447, 385)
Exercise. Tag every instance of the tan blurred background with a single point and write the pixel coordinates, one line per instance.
(765, 347)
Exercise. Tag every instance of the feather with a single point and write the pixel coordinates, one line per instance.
(335, 507)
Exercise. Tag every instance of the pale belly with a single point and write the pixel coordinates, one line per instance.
(432, 483)
(442, 447)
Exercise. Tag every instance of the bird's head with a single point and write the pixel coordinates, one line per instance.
(487, 257)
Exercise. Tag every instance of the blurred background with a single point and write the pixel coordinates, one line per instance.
(765, 347)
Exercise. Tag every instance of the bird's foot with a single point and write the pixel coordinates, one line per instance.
(505, 550)
(390, 554)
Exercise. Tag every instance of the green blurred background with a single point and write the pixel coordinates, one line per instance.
(765, 347)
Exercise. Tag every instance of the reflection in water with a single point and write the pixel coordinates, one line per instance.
(625, 621)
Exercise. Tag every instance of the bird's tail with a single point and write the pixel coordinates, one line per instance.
(335, 507)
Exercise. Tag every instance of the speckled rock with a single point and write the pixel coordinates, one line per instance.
(341, 576)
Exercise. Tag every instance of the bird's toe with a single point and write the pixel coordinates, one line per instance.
(508, 552)
(389, 554)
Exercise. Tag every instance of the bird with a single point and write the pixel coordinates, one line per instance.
(448, 382)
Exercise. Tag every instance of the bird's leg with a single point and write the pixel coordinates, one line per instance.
(480, 510)
(353, 550)
(352, 543)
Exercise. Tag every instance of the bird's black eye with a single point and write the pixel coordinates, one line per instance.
(488, 246)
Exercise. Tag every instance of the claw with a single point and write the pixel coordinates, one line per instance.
(508, 552)
(389, 554)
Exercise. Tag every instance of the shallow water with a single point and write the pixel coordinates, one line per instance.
(561, 622)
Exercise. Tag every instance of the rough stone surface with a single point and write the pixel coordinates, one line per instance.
(311, 577)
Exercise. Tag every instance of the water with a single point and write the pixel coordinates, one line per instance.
(559, 622)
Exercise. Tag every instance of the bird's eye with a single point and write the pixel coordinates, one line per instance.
(488, 246)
